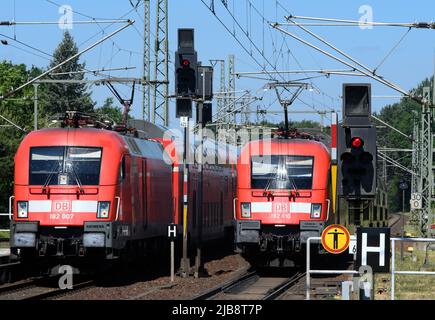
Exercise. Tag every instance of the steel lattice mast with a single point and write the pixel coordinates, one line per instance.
(231, 90)
(160, 112)
(415, 179)
(146, 94)
(426, 177)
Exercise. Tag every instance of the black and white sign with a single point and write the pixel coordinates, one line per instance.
(416, 201)
(373, 248)
(184, 121)
(172, 231)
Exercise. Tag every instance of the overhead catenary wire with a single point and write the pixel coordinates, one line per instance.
(233, 34)
(33, 23)
(392, 50)
(361, 70)
(66, 61)
(338, 50)
(278, 4)
(420, 25)
(103, 30)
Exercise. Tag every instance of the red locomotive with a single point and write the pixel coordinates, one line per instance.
(282, 196)
(89, 192)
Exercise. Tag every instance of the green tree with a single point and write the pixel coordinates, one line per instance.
(111, 111)
(401, 116)
(18, 109)
(72, 96)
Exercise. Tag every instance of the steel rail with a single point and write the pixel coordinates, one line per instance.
(60, 292)
(283, 287)
(226, 286)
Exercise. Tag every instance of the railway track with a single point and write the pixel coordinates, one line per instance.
(39, 289)
(252, 286)
(6, 270)
(322, 288)
(396, 224)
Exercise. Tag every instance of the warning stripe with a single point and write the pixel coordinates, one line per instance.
(185, 178)
(334, 137)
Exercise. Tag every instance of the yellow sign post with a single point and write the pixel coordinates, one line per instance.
(335, 239)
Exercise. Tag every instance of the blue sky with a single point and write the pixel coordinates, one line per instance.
(411, 62)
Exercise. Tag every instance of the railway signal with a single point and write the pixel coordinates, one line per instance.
(186, 69)
(357, 144)
(206, 116)
(205, 82)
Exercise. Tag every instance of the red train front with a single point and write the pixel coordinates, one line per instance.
(282, 195)
(82, 191)
(105, 194)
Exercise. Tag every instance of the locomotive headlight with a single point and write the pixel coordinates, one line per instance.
(103, 209)
(23, 207)
(246, 209)
(316, 210)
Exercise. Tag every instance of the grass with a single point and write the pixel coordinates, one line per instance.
(408, 287)
(4, 234)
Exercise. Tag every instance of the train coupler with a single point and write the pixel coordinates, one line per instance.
(279, 244)
(43, 249)
(59, 248)
(263, 245)
(297, 246)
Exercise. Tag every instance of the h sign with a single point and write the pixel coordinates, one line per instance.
(373, 248)
(172, 231)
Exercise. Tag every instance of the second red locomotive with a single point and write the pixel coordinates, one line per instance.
(282, 196)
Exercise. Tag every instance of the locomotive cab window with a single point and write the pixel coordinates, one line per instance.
(65, 166)
(282, 172)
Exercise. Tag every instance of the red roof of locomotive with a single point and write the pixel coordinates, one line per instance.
(284, 146)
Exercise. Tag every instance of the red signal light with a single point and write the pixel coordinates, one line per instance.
(185, 63)
(357, 142)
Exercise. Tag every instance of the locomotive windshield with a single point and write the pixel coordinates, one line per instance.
(64, 166)
(282, 172)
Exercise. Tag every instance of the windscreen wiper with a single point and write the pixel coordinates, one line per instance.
(76, 177)
(269, 181)
(56, 170)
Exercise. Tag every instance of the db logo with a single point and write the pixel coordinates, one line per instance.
(282, 207)
(61, 206)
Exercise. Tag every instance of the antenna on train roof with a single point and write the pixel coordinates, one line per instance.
(293, 133)
(77, 119)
